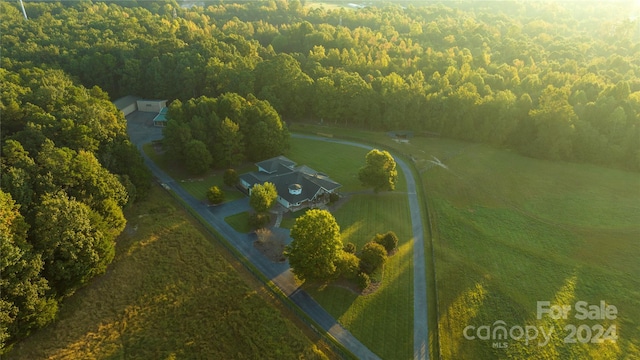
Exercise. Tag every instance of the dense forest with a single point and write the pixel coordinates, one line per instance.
(549, 79)
(68, 169)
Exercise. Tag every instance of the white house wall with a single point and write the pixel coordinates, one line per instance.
(151, 105)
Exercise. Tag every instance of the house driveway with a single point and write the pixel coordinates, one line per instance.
(141, 131)
(420, 319)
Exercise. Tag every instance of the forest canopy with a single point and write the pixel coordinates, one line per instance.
(550, 79)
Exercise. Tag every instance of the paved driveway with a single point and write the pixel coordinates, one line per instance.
(141, 132)
(420, 324)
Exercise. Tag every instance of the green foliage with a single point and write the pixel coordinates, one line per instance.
(465, 64)
(231, 177)
(197, 158)
(178, 291)
(350, 248)
(379, 171)
(69, 166)
(347, 265)
(372, 256)
(363, 280)
(231, 143)
(232, 127)
(263, 196)
(259, 220)
(215, 195)
(24, 300)
(316, 246)
(68, 235)
(389, 240)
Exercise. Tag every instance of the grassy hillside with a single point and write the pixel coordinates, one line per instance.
(513, 231)
(169, 294)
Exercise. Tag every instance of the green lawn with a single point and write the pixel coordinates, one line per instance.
(383, 320)
(169, 294)
(240, 222)
(340, 162)
(511, 231)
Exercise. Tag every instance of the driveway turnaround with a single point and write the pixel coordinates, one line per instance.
(141, 132)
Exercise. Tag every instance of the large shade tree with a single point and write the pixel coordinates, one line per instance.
(316, 246)
(23, 291)
(263, 196)
(379, 171)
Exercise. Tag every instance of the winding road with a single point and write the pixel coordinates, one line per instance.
(141, 131)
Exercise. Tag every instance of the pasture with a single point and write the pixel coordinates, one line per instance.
(511, 230)
(171, 292)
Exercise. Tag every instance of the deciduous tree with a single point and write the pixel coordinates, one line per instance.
(316, 245)
(215, 195)
(379, 171)
(263, 196)
(23, 300)
(70, 237)
(197, 158)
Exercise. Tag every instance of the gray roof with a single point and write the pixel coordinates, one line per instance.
(125, 101)
(277, 164)
(284, 177)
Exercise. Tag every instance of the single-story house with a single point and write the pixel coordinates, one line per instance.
(298, 186)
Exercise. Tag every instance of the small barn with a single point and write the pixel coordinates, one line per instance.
(154, 106)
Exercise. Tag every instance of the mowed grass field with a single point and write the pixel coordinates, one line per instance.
(510, 231)
(383, 320)
(170, 294)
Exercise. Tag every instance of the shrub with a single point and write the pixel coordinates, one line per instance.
(389, 240)
(372, 257)
(215, 195)
(347, 265)
(231, 177)
(259, 220)
(333, 197)
(363, 281)
(350, 248)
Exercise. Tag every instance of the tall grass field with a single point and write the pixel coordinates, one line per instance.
(170, 294)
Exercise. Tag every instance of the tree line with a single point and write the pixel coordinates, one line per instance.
(68, 170)
(550, 81)
(223, 131)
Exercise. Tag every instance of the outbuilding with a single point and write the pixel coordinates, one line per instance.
(127, 104)
(161, 119)
(154, 106)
